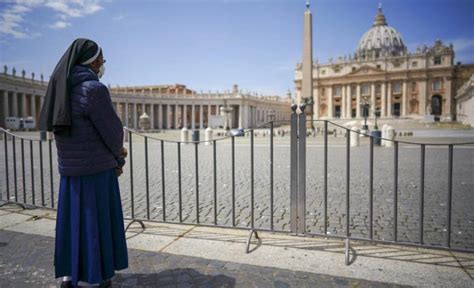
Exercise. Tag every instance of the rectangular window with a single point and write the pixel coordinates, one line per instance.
(437, 60)
(397, 87)
(437, 85)
(323, 72)
(413, 86)
(378, 66)
(337, 91)
(414, 64)
(365, 89)
(378, 89)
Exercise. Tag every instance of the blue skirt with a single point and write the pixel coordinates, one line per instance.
(90, 236)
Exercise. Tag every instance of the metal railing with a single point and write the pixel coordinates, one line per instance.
(249, 133)
(297, 189)
(32, 203)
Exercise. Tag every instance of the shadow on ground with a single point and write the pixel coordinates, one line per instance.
(358, 249)
(181, 277)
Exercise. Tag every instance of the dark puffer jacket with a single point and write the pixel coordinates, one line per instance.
(96, 137)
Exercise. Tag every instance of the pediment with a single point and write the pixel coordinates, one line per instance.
(366, 70)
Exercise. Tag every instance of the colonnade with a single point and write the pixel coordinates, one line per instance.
(195, 116)
(390, 98)
(19, 104)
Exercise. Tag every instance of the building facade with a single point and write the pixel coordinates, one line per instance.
(465, 103)
(168, 106)
(383, 74)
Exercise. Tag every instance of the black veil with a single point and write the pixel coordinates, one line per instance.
(56, 113)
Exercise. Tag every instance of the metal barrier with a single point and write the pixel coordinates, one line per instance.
(253, 230)
(24, 204)
(297, 191)
(300, 176)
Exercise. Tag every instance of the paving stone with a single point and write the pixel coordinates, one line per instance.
(21, 270)
(436, 181)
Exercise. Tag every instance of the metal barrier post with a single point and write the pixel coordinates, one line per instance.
(302, 171)
(293, 171)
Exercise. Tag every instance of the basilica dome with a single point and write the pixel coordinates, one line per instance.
(381, 40)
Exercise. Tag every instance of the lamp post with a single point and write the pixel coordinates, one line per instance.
(365, 112)
(377, 115)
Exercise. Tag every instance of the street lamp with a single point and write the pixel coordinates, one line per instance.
(377, 115)
(365, 112)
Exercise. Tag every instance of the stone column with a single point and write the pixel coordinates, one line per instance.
(33, 106)
(422, 97)
(372, 99)
(208, 113)
(384, 98)
(126, 114)
(358, 101)
(447, 97)
(160, 116)
(201, 117)
(245, 116)
(255, 119)
(5, 108)
(152, 116)
(169, 116)
(185, 116)
(241, 116)
(193, 118)
(389, 99)
(330, 108)
(23, 106)
(404, 98)
(343, 101)
(176, 116)
(316, 103)
(15, 104)
(349, 101)
(135, 122)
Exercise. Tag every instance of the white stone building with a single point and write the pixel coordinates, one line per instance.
(465, 103)
(384, 74)
(169, 106)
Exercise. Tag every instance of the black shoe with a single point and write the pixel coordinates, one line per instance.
(66, 284)
(106, 284)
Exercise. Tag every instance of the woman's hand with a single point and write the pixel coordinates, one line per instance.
(118, 171)
(124, 152)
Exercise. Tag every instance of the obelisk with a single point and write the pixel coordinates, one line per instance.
(307, 81)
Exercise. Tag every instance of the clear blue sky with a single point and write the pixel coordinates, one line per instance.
(212, 44)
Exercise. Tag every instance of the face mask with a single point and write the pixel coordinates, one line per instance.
(101, 71)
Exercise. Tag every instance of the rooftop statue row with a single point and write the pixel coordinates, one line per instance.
(23, 74)
(439, 48)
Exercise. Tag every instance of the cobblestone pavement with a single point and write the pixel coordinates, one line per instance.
(27, 260)
(435, 186)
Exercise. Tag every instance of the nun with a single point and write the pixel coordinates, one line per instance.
(90, 239)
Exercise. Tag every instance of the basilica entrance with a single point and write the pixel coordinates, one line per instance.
(436, 106)
(337, 111)
(396, 109)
